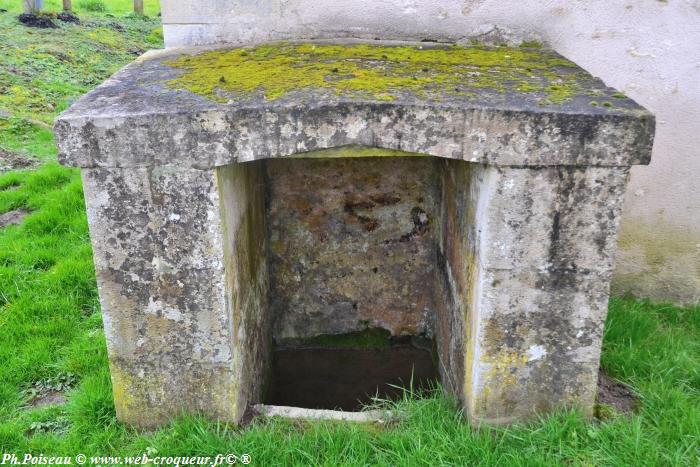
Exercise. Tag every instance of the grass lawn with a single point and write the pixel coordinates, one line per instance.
(42, 71)
(115, 7)
(52, 343)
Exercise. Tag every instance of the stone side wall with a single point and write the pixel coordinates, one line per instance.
(647, 49)
(545, 239)
(160, 272)
(456, 271)
(352, 244)
(180, 257)
(242, 203)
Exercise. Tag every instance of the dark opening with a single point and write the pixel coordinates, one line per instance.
(352, 243)
(319, 377)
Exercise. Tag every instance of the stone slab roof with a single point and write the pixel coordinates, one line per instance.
(208, 107)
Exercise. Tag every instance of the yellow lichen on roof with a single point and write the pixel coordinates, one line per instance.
(374, 71)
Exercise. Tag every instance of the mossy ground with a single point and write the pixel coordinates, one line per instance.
(42, 71)
(378, 72)
(111, 7)
(52, 331)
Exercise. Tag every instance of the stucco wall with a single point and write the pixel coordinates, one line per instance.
(646, 48)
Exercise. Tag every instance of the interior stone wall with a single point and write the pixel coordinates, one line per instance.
(242, 205)
(456, 270)
(377, 242)
(352, 244)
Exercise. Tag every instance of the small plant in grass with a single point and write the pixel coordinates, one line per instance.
(58, 426)
(604, 412)
(61, 383)
(155, 36)
(93, 5)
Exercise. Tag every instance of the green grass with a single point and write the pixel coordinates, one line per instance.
(116, 7)
(51, 329)
(42, 71)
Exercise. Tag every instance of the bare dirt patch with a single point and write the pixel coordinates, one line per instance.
(37, 20)
(14, 161)
(615, 394)
(68, 17)
(51, 398)
(12, 217)
(49, 391)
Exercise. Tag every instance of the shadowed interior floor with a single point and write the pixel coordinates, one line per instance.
(347, 379)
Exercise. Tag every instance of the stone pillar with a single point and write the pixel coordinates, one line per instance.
(537, 294)
(178, 278)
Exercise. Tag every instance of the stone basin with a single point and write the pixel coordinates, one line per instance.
(240, 199)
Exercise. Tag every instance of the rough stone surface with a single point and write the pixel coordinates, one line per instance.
(135, 120)
(242, 207)
(527, 255)
(296, 413)
(352, 245)
(197, 253)
(457, 263)
(173, 315)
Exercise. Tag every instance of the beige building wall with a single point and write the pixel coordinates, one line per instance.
(649, 49)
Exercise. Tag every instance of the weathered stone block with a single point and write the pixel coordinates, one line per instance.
(553, 218)
(500, 246)
(178, 307)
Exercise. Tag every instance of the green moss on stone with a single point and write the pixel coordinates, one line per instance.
(372, 338)
(353, 151)
(605, 412)
(377, 72)
(531, 44)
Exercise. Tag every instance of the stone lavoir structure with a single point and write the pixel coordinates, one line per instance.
(245, 199)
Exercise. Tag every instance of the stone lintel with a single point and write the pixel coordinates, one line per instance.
(497, 106)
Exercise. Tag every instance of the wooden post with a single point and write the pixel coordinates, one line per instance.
(138, 7)
(32, 6)
(67, 5)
